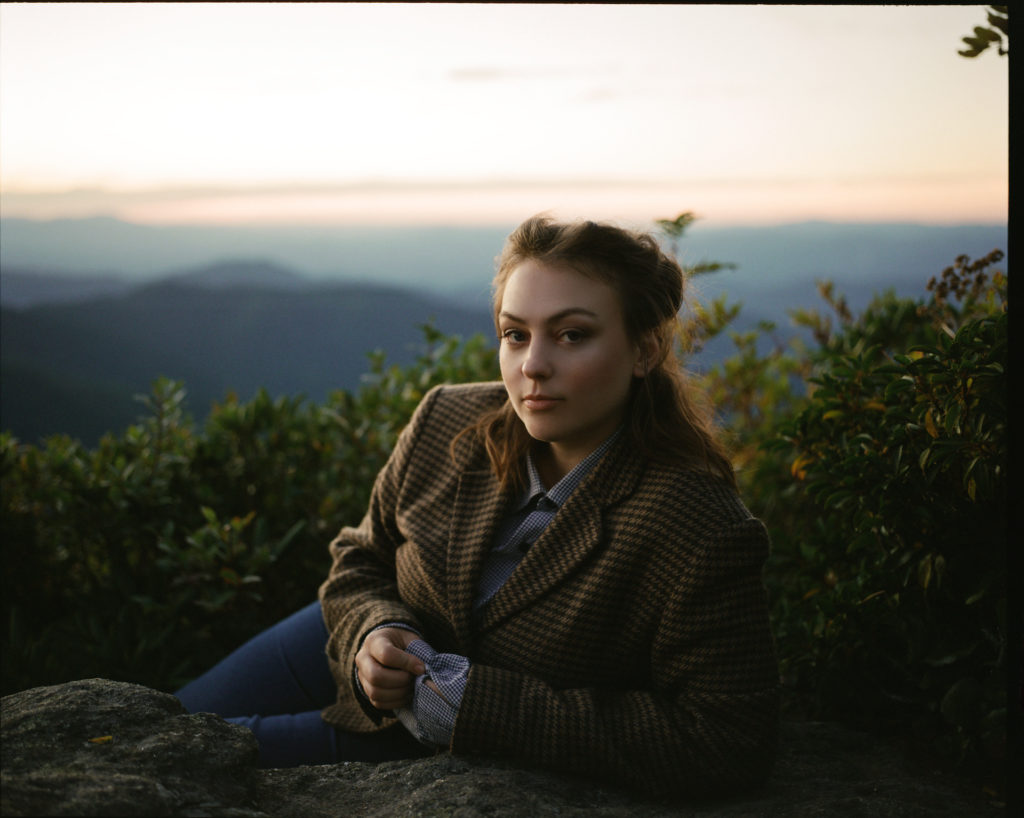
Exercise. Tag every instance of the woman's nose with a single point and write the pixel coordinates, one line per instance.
(537, 363)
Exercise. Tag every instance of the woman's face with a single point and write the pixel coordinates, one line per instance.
(566, 360)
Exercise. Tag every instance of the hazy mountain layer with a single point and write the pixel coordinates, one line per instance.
(74, 367)
(75, 346)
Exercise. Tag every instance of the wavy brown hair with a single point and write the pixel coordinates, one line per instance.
(665, 421)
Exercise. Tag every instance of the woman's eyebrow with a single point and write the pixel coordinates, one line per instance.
(558, 316)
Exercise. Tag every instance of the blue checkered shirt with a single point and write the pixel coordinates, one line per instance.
(431, 718)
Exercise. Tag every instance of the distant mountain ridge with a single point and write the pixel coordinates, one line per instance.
(442, 259)
(75, 347)
(26, 288)
(75, 367)
(458, 261)
(255, 273)
(21, 288)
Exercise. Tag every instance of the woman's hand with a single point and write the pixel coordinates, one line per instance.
(385, 670)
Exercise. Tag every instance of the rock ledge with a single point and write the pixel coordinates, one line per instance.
(97, 747)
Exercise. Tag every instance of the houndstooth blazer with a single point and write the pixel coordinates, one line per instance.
(631, 643)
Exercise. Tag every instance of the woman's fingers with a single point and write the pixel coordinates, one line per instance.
(385, 670)
(385, 687)
(391, 655)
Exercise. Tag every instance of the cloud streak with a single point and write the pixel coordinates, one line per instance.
(928, 198)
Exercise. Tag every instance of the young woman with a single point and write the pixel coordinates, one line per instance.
(554, 569)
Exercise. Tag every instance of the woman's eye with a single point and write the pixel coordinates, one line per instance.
(573, 336)
(512, 336)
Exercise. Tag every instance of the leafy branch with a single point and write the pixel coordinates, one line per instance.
(984, 37)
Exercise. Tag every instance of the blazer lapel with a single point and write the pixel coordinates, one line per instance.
(479, 505)
(569, 539)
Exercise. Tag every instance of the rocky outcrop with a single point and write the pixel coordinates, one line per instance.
(97, 747)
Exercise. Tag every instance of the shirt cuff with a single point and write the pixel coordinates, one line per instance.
(431, 719)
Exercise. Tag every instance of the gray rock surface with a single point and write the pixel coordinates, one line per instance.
(57, 759)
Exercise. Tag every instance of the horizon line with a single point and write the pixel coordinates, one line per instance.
(700, 224)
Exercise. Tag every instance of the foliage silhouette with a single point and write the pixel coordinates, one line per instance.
(151, 556)
(993, 34)
(877, 457)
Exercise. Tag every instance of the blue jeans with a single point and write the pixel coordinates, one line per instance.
(276, 684)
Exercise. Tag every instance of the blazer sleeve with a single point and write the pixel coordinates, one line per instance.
(708, 720)
(361, 590)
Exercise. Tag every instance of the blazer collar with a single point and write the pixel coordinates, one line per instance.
(565, 544)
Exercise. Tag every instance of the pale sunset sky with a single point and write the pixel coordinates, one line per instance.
(356, 113)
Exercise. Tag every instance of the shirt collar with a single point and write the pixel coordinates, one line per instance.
(560, 492)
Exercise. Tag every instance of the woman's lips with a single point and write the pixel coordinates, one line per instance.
(538, 403)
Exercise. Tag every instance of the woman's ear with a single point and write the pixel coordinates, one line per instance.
(648, 354)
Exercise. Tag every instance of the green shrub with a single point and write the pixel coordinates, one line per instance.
(876, 455)
(150, 557)
(888, 577)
